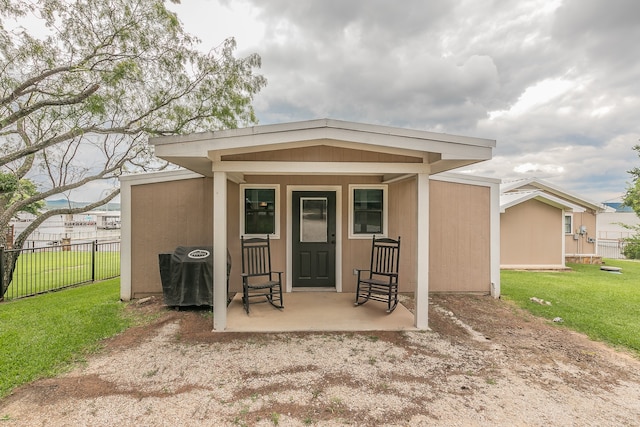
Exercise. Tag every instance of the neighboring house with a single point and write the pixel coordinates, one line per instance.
(542, 226)
(372, 180)
(611, 223)
(612, 231)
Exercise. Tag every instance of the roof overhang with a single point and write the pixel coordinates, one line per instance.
(536, 183)
(509, 200)
(436, 152)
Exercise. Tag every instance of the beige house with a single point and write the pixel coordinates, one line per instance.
(373, 180)
(543, 226)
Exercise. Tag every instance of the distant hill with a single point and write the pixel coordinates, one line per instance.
(64, 203)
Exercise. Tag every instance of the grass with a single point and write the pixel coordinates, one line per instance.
(602, 305)
(42, 336)
(48, 270)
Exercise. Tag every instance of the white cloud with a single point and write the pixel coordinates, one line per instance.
(539, 169)
(554, 82)
(540, 94)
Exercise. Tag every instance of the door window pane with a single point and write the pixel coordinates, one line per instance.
(313, 220)
(260, 209)
(367, 210)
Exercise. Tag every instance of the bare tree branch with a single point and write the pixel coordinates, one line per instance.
(49, 103)
(77, 105)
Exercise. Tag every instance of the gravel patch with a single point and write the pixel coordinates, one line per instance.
(484, 362)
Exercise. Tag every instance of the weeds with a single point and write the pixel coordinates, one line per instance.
(336, 405)
(275, 418)
(150, 373)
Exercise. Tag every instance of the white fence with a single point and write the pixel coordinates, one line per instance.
(611, 248)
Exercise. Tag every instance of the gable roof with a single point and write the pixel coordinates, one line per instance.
(513, 198)
(531, 184)
(441, 152)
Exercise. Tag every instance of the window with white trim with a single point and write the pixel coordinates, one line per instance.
(568, 224)
(260, 210)
(368, 213)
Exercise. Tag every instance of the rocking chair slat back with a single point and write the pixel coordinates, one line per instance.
(385, 254)
(256, 257)
(257, 278)
(380, 282)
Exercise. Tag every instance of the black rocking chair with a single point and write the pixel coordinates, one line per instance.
(380, 282)
(257, 278)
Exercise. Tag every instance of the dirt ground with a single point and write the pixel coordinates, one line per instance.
(485, 362)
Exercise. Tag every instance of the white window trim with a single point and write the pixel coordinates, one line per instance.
(385, 210)
(276, 187)
(564, 223)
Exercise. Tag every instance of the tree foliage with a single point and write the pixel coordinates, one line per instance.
(632, 195)
(84, 83)
(632, 199)
(632, 246)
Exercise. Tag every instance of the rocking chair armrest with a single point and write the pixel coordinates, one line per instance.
(360, 271)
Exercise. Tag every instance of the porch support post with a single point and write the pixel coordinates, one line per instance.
(494, 241)
(422, 264)
(219, 251)
(125, 241)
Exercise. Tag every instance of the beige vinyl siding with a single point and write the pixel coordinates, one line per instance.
(355, 253)
(582, 246)
(168, 214)
(403, 223)
(459, 238)
(529, 234)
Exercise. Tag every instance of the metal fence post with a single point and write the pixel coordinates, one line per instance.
(1, 273)
(94, 247)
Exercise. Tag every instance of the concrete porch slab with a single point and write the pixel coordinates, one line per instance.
(317, 311)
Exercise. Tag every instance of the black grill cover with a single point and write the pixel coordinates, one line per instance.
(190, 277)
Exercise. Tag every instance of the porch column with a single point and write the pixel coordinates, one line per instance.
(125, 240)
(219, 251)
(495, 240)
(422, 267)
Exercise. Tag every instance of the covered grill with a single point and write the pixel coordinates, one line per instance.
(187, 276)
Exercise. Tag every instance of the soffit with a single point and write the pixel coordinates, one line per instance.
(202, 152)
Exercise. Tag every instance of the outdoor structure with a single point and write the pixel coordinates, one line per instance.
(543, 226)
(76, 228)
(615, 225)
(320, 189)
(617, 222)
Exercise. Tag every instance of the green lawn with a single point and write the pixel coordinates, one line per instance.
(49, 270)
(605, 306)
(41, 336)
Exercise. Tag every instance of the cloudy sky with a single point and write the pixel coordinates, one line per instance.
(556, 83)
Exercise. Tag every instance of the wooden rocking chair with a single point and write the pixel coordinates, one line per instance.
(257, 278)
(380, 281)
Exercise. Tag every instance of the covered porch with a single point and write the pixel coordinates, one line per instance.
(323, 156)
(317, 311)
